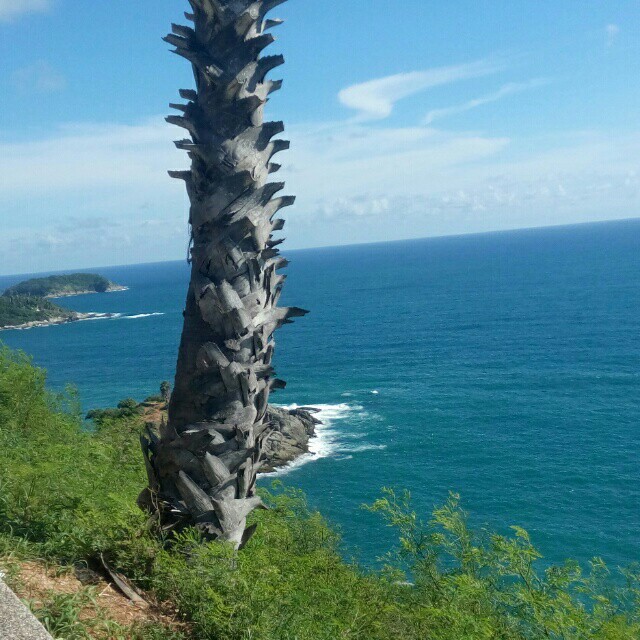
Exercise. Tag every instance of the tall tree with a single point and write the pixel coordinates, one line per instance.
(202, 469)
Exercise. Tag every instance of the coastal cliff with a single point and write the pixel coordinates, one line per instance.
(28, 312)
(290, 429)
(67, 506)
(27, 305)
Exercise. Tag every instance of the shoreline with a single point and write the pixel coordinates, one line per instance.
(71, 294)
(76, 317)
(288, 443)
(292, 432)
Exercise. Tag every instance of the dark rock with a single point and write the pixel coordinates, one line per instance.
(87, 576)
(16, 621)
(291, 430)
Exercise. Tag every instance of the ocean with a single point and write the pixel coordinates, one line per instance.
(504, 367)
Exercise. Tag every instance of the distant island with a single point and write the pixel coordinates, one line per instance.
(26, 305)
(74, 284)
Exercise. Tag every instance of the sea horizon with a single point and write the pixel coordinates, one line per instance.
(340, 246)
(502, 366)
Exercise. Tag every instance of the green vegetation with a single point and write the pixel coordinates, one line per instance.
(68, 496)
(55, 286)
(18, 310)
(165, 390)
(127, 408)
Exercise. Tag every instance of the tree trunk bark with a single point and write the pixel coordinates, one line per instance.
(202, 469)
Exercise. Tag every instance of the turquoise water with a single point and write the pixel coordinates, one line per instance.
(505, 367)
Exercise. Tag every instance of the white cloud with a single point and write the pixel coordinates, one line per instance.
(12, 9)
(92, 194)
(93, 242)
(99, 194)
(39, 77)
(358, 183)
(92, 158)
(375, 99)
(612, 31)
(503, 92)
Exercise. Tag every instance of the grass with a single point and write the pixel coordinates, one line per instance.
(68, 496)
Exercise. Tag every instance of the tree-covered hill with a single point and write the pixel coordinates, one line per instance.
(21, 310)
(65, 285)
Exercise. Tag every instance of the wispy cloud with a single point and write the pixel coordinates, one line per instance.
(503, 92)
(612, 31)
(93, 242)
(13, 9)
(92, 194)
(444, 182)
(375, 99)
(364, 183)
(90, 157)
(39, 77)
(99, 194)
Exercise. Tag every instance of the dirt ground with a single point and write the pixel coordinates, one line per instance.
(37, 582)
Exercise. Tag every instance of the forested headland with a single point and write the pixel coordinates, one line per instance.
(21, 310)
(63, 285)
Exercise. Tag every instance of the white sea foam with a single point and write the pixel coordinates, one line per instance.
(332, 440)
(102, 316)
(365, 447)
(326, 442)
(142, 315)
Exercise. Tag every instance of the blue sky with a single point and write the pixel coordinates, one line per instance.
(407, 119)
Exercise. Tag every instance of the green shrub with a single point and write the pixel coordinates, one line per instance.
(486, 585)
(70, 496)
(127, 408)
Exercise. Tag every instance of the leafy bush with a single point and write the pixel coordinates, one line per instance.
(127, 408)
(487, 585)
(69, 496)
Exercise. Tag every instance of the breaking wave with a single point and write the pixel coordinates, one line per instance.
(101, 316)
(330, 435)
(141, 315)
(365, 447)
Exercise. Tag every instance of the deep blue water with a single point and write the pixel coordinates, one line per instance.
(506, 366)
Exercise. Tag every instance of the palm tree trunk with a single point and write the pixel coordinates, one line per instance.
(202, 469)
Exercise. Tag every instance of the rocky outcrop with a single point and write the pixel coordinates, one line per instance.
(16, 621)
(73, 317)
(291, 431)
(111, 288)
